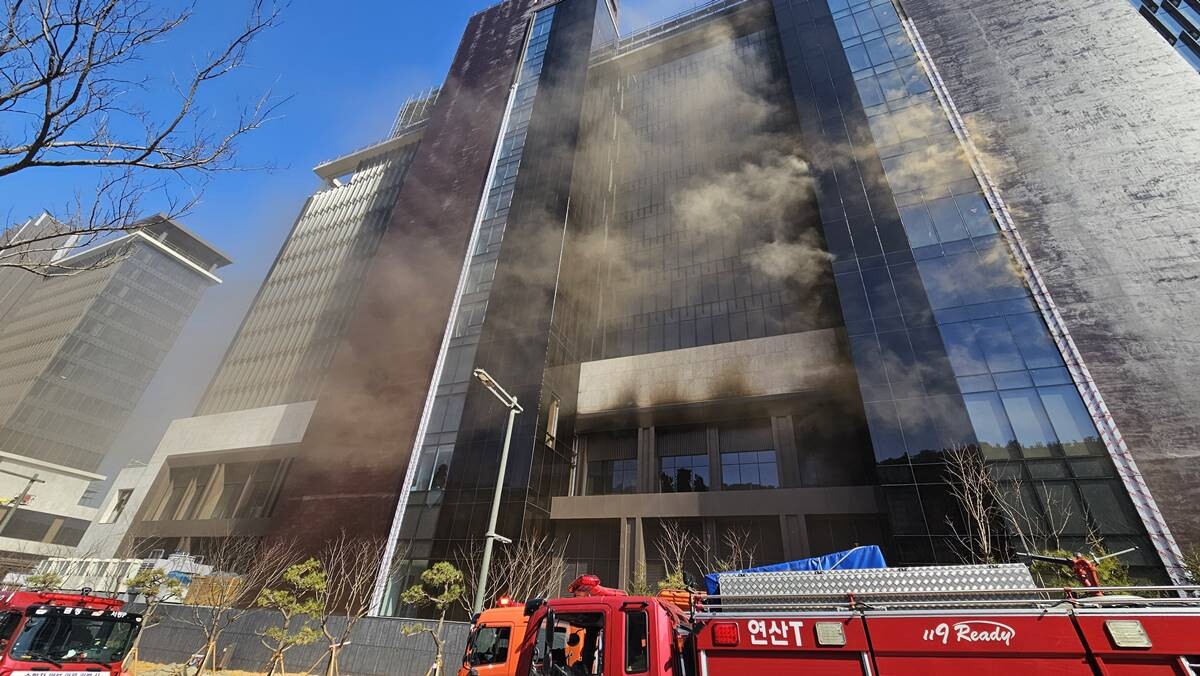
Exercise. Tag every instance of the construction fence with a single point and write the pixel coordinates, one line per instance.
(377, 645)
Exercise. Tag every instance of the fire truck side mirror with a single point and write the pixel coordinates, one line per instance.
(532, 605)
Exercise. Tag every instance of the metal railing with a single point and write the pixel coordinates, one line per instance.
(414, 113)
(662, 27)
(1036, 598)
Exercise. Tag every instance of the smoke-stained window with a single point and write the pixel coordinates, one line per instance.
(608, 477)
(684, 474)
(714, 238)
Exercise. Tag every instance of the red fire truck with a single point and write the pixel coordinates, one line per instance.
(52, 632)
(1142, 631)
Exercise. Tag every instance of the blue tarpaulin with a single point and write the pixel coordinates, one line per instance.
(851, 559)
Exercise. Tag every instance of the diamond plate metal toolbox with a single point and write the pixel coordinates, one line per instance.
(838, 583)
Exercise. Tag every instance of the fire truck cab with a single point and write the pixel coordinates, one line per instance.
(985, 633)
(52, 632)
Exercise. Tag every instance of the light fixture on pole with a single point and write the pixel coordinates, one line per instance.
(491, 536)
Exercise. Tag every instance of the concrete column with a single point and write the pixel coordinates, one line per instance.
(624, 558)
(786, 452)
(639, 546)
(714, 458)
(580, 485)
(795, 537)
(647, 462)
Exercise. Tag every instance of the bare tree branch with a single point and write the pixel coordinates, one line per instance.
(69, 97)
(242, 566)
(531, 567)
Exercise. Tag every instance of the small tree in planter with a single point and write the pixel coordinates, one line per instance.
(43, 582)
(300, 596)
(440, 587)
(156, 587)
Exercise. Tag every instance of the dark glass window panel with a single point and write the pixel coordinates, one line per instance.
(1058, 376)
(878, 52)
(887, 17)
(846, 27)
(998, 273)
(1110, 507)
(947, 220)
(905, 511)
(988, 417)
(962, 349)
(921, 434)
(884, 131)
(998, 346)
(910, 292)
(914, 78)
(1033, 339)
(1092, 468)
(869, 91)
(684, 473)
(899, 44)
(918, 225)
(934, 368)
(868, 360)
(893, 85)
(1063, 512)
(976, 214)
(941, 282)
(858, 58)
(866, 21)
(1029, 422)
(607, 477)
(885, 432)
(975, 384)
(1071, 421)
(942, 512)
(880, 294)
(900, 362)
(1047, 469)
(1013, 380)
(749, 470)
(894, 474)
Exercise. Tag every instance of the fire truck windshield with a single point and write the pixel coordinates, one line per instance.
(72, 638)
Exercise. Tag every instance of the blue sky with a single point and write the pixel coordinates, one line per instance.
(347, 67)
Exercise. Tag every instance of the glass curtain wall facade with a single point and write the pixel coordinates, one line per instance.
(515, 248)
(947, 341)
(752, 175)
(428, 470)
(288, 337)
(77, 352)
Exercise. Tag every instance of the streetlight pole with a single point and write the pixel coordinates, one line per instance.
(12, 510)
(491, 536)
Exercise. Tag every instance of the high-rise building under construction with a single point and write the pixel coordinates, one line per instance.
(774, 272)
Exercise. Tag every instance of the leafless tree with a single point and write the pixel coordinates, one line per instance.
(1036, 523)
(676, 546)
(533, 566)
(75, 93)
(735, 551)
(242, 566)
(352, 565)
(993, 508)
(975, 492)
